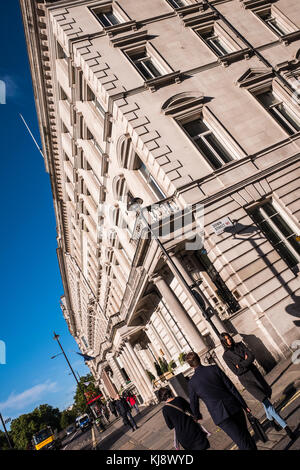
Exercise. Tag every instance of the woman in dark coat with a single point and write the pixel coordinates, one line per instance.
(188, 432)
(240, 360)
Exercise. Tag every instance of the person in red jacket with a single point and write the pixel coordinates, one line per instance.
(133, 402)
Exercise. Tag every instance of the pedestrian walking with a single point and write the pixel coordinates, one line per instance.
(240, 360)
(106, 412)
(112, 407)
(224, 403)
(187, 431)
(131, 399)
(124, 410)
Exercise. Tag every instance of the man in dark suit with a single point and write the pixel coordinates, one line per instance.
(223, 401)
(124, 410)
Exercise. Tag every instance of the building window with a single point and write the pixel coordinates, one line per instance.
(177, 3)
(215, 42)
(61, 53)
(274, 22)
(92, 139)
(147, 65)
(207, 142)
(92, 98)
(278, 232)
(151, 181)
(280, 111)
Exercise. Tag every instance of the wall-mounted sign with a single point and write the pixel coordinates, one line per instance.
(220, 225)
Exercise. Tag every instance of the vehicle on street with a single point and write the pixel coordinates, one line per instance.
(84, 422)
(70, 429)
(46, 440)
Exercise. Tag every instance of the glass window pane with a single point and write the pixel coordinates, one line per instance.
(195, 127)
(144, 71)
(269, 232)
(282, 225)
(149, 64)
(218, 147)
(286, 255)
(289, 115)
(206, 152)
(111, 17)
(267, 98)
(295, 244)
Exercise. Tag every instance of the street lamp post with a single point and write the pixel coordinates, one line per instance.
(63, 352)
(135, 205)
(6, 433)
(72, 371)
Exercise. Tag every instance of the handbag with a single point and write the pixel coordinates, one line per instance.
(257, 428)
(191, 416)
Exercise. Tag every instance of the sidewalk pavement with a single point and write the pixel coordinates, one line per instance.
(153, 433)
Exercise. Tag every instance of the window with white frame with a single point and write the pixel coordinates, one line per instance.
(278, 231)
(276, 23)
(215, 41)
(93, 99)
(279, 109)
(177, 3)
(207, 141)
(151, 181)
(145, 63)
(94, 141)
(108, 15)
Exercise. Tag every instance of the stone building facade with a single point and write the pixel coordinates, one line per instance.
(192, 107)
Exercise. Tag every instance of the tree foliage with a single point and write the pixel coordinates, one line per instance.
(80, 399)
(68, 417)
(25, 426)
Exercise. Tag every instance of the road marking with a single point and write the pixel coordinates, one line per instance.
(94, 439)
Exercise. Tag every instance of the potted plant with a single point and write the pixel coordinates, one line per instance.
(181, 358)
(172, 365)
(163, 365)
(158, 369)
(150, 375)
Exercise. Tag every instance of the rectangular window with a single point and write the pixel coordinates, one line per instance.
(207, 142)
(145, 64)
(92, 97)
(94, 141)
(151, 181)
(215, 42)
(108, 18)
(278, 232)
(280, 111)
(177, 3)
(275, 23)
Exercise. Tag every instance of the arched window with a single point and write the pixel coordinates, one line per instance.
(127, 156)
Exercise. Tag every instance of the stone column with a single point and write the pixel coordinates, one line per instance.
(137, 380)
(214, 318)
(116, 369)
(144, 379)
(182, 317)
(169, 330)
(110, 387)
(152, 329)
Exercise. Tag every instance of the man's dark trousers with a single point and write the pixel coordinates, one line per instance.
(236, 428)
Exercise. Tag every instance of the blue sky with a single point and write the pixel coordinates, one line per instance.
(30, 278)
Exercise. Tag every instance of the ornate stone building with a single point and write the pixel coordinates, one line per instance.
(191, 106)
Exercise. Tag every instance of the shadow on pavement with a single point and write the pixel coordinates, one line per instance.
(109, 441)
(292, 441)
